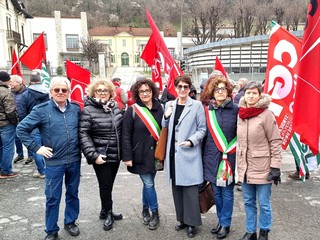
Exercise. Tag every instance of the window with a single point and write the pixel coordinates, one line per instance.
(137, 58)
(113, 59)
(7, 5)
(110, 42)
(36, 35)
(124, 42)
(172, 52)
(72, 41)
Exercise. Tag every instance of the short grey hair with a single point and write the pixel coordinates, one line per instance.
(60, 80)
(253, 84)
(17, 79)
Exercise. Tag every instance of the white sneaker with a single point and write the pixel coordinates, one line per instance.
(38, 175)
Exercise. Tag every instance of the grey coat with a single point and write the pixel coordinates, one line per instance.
(191, 126)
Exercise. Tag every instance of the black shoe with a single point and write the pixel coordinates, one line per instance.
(52, 237)
(216, 229)
(154, 221)
(117, 216)
(223, 232)
(249, 236)
(72, 229)
(29, 160)
(18, 159)
(145, 216)
(180, 226)
(191, 232)
(109, 221)
(263, 234)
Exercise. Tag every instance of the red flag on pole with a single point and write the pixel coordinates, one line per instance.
(219, 66)
(15, 70)
(156, 52)
(34, 55)
(306, 114)
(80, 78)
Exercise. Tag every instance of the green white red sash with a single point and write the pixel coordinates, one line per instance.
(225, 174)
(148, 120)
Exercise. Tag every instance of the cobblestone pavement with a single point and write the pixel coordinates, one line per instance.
(296, 208)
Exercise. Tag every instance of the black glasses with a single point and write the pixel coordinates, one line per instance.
(222, 89)
(102, 91)
(147, 91)
(58, 90)
(186, 87)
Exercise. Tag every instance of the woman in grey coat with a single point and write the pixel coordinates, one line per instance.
(185, 119)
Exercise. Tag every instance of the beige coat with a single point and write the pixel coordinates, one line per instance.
(259, 144)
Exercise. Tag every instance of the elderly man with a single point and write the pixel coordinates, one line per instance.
(8, 122)
(57, 121)
(241, 84)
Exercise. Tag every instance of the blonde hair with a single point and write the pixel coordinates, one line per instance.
(92, 87)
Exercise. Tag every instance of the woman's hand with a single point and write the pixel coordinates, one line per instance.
(185, 144)
(168, 113)
(99, 159)
(128, 163)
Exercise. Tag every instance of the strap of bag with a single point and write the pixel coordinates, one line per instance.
(148, 120)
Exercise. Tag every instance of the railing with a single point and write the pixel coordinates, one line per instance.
(13, 36)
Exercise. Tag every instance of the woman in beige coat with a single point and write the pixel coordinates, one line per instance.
(258, 158)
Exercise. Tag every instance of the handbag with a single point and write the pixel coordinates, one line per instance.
(206, 198)
(160, 152)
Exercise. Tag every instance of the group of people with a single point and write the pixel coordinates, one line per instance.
(207, 139)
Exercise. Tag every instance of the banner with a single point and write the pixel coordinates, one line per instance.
(156, 52)
(282, 66)
(79, 78)
(306, 115)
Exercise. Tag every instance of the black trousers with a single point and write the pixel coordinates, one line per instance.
(106, 174)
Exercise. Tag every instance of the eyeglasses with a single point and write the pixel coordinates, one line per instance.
(102, 91)
(58, 90)
(222, 89)
(186, 87)
(142, 92)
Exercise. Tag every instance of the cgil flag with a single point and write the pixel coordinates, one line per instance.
(306, 115)
(35, 54)
(15, 70)
(156, 52)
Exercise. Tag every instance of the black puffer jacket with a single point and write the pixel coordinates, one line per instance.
(100, 131)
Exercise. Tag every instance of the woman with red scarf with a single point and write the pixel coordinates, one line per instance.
(258, 158)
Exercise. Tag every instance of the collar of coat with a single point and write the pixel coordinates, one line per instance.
(225, 104)
(263, 102)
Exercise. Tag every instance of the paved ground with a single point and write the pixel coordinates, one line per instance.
(296, 208)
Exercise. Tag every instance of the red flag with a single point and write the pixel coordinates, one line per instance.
(218, 66)
(80, 78)
(34, 55)
(15, 70)
(156, 52)
(306, 115)
(283, 59)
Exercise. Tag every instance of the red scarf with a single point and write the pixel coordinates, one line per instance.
(245, 113)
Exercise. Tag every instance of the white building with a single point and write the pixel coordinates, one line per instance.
(62, 37)
(12, 30)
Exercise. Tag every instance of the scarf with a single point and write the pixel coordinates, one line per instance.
(246, 113)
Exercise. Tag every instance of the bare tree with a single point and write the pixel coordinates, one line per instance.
(263, 18)
(91, 48)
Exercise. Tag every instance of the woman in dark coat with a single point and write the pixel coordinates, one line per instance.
(219, 153)
(100, 137)
(139, 142)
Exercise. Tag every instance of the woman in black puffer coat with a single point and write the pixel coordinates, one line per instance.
(100, 130)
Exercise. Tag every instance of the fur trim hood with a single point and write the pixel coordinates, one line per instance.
(263, 102)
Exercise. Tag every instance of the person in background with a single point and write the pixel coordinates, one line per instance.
(120, 97)
(17, 88)
(100, 138)
(185, 119)
(204, 81)
(35, 94)
(241, 84)
(8, 121)
(219, 157)
(140, 126)
(258, 157)
(166, 96)
(193, 92)
(57, 121)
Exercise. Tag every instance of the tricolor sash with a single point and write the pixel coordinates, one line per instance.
(148, 120)
(225, 174)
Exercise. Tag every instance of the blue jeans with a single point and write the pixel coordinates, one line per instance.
(249, 192)
(149, 195)
(38, 158)
(7, 134)
(224, 199)
(19, 147)
(53, 191)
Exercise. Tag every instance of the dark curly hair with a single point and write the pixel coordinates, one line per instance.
(211, 84)
(138, 84)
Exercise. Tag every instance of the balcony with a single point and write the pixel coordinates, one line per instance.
(13, 36)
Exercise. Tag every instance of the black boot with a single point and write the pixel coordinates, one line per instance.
(117, 216)
(249, 236)
(154, 220)
(103, 214)
(223, 232)
(216, 229)
(263, 235)
(145, 216)
(109, 221)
